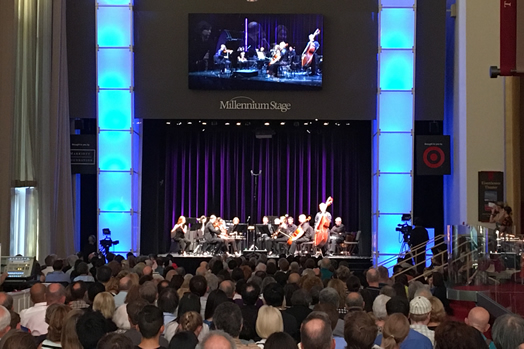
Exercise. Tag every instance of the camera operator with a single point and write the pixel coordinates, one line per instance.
(419, 235)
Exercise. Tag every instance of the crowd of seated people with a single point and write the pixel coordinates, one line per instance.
(239, 303)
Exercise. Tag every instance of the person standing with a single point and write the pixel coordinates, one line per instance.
(418, 239)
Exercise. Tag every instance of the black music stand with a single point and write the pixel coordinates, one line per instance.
(259, 230)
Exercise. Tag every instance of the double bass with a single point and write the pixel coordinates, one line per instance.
(309, 51)
(322, 230)
(297, 234)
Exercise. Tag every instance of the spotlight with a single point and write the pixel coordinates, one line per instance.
(204, 123)
(168, 123)
(326, 123)
(239, 123)
(203, 129)
(282, 123)
(189, 123)
(266, 123)
(227, 123)
(316, 119)
(347, 124)
(306, 123)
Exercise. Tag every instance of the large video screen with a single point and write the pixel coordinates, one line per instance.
(270, 59)
(255, 51)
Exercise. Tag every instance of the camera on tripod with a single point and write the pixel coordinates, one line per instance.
(107, 242)
(405, 228)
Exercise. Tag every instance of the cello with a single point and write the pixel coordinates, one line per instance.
(307, 55)
(322, 230)
(297, 234)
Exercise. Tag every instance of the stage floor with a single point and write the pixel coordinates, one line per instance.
(356, 264)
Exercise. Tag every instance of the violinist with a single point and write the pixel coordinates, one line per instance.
(279, 238)
(178, 234)
(222, 58)
(211, 233)
(309, 233)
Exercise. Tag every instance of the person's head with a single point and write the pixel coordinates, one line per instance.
(55, 317)
(458, 335)
(228, 287)
(290, 220)
(269, 321)
(5, 321)
(105, 304)
(148, 291)
(423, 292)
(508, 210)
(37, 293)
(300, 297)
(508, 331)
(379, 307)
(133, 310)
(217, 340)
(353, 284)
(329, 295)
(214, 299)
(50, 259)
(55, 294)
(190, 321)
(383, 274)
(388, 291)
(250, 293)
(150, 322)
(228, 318)
(19, 340)
(419, 310)
(82, 268)
(273, 295)
(372, 277)
(438, 313)
(103, 274)
(58, 265)
(280, 340)
(395, 330)
(360, 330)
(183, 340)
(6, 300)
(322, 207)
(90, 327)
(316, 332)
(168, 300)
(302, 218)
(94, 289)
(69, 337)
(343, 273)
(181, 220)
(398, 305)
(78, 290)
(293, 278)
(331, 311)
(478, 318)
(115, 341)
(354, 301)
(189, 302)
(338, 221)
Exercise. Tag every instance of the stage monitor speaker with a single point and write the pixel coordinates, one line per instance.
(432, 155)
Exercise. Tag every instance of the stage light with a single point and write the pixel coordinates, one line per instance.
(316, 119)
(308, 131)
(168, 123)
(239, 123)
(189, 123)
(227, 123)
(306, 123)
(282, 123)
(326, 123)
(204, 123)
(203, 129)
(266, 123)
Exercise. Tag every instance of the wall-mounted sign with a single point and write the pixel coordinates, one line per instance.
(83, 154)
(491, 190)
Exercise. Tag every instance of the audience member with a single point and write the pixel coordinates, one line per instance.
(134, 309)
(438, 314)
(354, 302)
(269, 321)
(69, 338)
(19, 340)
(105, 304)
(316, 332)
(124, 285)
(191, 321)
(82, 270)
(90, 327)
(300, 302)
(218, 340)
(372, 278)
(395, 331)
(115, 341)
(57, 275)
(274, 295)
(228, 287)
(6, 300)
(168, 303)
(184, 340)
(148, 292)
(78, 291)
(508, 331)
(360, 331)
(5, 321)
(228, 318)
(379, 310)
(280, 340)
(33, 318)
(478, 318)
(151, 326)
(458, 335)
(55, 317)
(250, 296)
(419, 313)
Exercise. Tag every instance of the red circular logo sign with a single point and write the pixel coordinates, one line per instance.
(433, 157)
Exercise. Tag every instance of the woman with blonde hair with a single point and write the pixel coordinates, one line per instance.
(395, 331)
(269, 321)
(178, 235)
(438, 313)
(341, 289)
(105, 304)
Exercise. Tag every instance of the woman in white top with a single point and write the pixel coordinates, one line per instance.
(269, 321)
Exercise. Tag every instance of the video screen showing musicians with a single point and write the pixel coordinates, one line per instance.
(276, 235)
(285, 49)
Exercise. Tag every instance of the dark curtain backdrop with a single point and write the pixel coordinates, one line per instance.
(209, 172)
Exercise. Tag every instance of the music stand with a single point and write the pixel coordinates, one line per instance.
(240, 229)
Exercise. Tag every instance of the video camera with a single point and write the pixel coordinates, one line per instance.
(107, 242)
(405, 228)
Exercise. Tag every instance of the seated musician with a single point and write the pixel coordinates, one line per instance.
(278, 241)
(308, 235)
(337, 235)
(242, 61)
(291, 227)
(222, 58)
(280, 57)
(264, 238)
(261, 57)
(211, 235)
(178, 234)
(229, 238)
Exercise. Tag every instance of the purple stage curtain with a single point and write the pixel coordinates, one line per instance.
(209, 172)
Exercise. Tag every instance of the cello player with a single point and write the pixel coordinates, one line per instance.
(309, 233)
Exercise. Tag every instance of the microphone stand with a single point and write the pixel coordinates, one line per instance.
(254, 206)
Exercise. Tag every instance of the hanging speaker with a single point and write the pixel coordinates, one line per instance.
(432, 155)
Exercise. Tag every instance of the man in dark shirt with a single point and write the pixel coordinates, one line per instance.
(151, 325)
(133, 311)
(309, 233)
(419, 237)
(337, 235)
(249, 311)
(372, 278)
(211, 235)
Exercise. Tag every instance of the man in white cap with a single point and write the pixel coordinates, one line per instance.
(419, 313)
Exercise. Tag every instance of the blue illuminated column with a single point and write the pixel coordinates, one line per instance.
(119, 134)
(394, 126)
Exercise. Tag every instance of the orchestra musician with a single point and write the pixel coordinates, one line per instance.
(242, 61)
(178, 234)
(337, 235)
(279, 237)
(312, 47)
(309, 233)
(264, 238)
(322, 213)
(211, 234)
(222, 58)
(227, 238)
